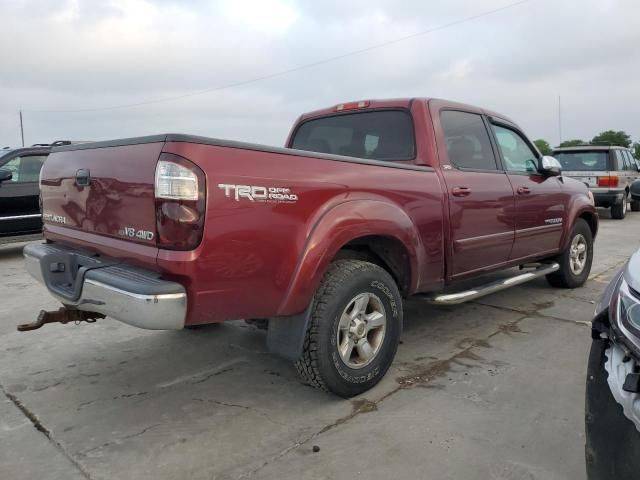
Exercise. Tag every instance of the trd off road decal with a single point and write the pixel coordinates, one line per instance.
(256, 193)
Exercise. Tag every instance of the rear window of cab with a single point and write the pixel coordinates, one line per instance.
(376, 135)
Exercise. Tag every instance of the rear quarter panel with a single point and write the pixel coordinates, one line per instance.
(258, 259)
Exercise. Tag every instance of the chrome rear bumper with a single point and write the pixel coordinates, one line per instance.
(132, 295)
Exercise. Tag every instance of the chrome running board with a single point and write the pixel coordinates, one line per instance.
(472, 294)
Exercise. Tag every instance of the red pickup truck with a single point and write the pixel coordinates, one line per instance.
(369, 203)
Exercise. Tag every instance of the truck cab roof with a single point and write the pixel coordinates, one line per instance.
(362, 105)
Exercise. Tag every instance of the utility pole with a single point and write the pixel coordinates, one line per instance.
(559, 120)
(21, 129)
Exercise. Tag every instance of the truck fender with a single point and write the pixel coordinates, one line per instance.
(576, 211)
(338, 226)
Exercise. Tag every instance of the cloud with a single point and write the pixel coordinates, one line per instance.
(79, 54)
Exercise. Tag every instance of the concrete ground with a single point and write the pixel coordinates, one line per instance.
(488, 390)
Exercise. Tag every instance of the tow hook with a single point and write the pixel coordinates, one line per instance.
(62, 315)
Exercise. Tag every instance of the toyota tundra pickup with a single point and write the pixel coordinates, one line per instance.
(369, 203)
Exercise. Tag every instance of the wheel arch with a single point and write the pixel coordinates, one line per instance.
(376, 229)
(387, 252)
(592, 220)
(586, 212)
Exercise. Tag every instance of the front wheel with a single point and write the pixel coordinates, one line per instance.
(619, 211)
(354, 329)
(575, 261)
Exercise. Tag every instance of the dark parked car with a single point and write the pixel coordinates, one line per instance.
(608, 171)
(634, 191)
(20, 217)
(612, 406)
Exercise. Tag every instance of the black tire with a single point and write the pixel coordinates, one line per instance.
(321, 364)
(612, 447)
(619, 211)
(635, 205)
(565, 276)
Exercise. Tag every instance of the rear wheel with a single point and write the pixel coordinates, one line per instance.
(619, 211)
(635, 205)
(575, 261)
(354, 330)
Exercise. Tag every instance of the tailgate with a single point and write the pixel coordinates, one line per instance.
(103, 188)
(588, 177)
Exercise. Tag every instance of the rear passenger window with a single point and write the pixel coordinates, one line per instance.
(625, 162)
(620, 164)
(628, 160)
(467, 140)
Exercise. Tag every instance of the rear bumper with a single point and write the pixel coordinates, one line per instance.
(132, 295)
(606, 199)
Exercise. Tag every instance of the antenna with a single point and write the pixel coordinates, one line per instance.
(559, 120)
(21, 129)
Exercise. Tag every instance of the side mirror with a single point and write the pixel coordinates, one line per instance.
(549, 166)
(5, 175)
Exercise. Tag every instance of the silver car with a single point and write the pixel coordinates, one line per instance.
(608, 171)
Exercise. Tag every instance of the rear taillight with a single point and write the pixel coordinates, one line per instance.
(608, 181)
(180, 202)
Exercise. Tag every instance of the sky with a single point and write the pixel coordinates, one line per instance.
(71, 65)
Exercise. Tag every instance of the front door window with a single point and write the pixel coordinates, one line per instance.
(517, 155)
(25, 169)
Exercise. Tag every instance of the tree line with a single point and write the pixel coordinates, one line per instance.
(610, 137)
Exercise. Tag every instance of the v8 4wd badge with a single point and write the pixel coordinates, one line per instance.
(131, 232)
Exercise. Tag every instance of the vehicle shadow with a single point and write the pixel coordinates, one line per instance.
(12, 250)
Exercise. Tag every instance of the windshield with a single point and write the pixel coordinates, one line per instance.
(583, 160)
(378, 135)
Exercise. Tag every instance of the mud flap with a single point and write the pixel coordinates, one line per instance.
(285, 335)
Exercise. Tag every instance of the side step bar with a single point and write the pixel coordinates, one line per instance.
(467, 295)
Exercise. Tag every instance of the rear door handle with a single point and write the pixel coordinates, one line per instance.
(523, 190)
(460, 191)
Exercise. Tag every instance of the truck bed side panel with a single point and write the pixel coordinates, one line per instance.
(251, 248)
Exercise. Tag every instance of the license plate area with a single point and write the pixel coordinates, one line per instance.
(589, 181)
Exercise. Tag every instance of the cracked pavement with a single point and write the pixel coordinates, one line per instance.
(491, 389)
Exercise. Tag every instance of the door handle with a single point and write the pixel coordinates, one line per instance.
(460, 191)
(83, 177)
(523, 190)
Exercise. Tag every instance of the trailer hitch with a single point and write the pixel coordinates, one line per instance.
(62, 315)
